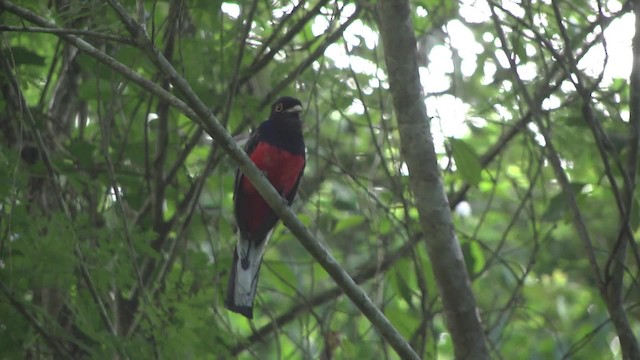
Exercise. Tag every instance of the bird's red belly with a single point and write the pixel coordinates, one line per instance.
(282, 168)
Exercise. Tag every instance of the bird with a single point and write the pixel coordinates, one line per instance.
(277, 148)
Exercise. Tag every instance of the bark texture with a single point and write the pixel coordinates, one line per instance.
(418, 152)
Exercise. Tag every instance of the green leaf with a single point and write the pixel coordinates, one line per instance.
(92, 90)
(467, 161)
(348, 223)
(401, 285)
(429, 276)
(634, 218)
(280, 275)
(473, 257)
(385, 226)
(82, 151)
(23, 56)
(141, 243)
(557, 207)
(518, 45)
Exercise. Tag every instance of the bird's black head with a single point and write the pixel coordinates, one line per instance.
(286, 106)
(284, 127)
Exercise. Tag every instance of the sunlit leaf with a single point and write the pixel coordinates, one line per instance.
(467, 161)
(473, 256)
(348, 223)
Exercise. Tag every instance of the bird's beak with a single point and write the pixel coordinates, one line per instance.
(297, 108)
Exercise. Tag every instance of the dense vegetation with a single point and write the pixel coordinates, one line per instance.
(116, 223)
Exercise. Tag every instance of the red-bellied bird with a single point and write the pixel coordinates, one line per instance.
(277, 149)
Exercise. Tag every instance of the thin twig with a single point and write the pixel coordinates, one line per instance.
(109, 61)
(53, 344)
(552, 156)
(47, 30)
(59, 194)
(365, 273)
(264, 187)
(233, 83)
(318, 52)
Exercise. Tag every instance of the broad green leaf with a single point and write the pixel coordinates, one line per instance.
(82, 151)
(281, 275)
(355, 195)
(22, 56)
(473, 256)
(467, 161)
(557, 207)
(402, 287)
(348, 223)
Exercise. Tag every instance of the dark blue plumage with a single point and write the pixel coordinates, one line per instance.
(277, 148)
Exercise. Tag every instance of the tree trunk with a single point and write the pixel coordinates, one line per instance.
(425, 180)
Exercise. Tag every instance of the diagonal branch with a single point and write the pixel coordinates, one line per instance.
(53, 174)
(552, 155)
(317, 53)
(613, 302)
(233, 83)
(368, 271)
(46, 30)
(264, 187)
(107, 60)
(556, 75)
(203, 117)
(260, 62)
(53, 343)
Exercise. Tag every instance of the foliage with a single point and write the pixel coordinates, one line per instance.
(116, 231)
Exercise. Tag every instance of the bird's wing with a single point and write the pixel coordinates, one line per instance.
(241, 218)
(292, 194)
(249, 146)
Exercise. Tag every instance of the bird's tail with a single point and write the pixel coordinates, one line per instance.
(243, 279)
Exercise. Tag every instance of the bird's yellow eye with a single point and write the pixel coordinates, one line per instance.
(278, 108)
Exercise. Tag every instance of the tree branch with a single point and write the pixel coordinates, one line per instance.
(264, 187)
(107, 60)
(47, 30)
(59, 194)
(613, 301)
(368, 271)
(318, 52)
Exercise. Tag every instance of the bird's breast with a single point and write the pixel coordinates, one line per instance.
(281, 167)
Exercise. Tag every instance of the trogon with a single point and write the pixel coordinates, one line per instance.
(277, 148)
